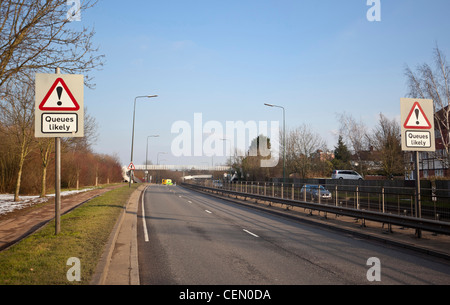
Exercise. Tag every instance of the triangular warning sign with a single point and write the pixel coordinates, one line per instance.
(131, 167)
(59, 98)
(417, 118)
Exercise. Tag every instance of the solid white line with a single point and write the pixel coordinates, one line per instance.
(143, 219)
(250, 233)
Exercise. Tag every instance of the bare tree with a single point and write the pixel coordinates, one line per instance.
(354, 134)
(17, 114)
(386, 139)
(433, 83)
(36, 36)
(301, 144)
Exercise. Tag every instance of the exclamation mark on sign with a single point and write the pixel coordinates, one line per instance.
(59, 90)
(417, 116)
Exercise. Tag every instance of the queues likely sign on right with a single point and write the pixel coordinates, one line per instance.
(417, 118)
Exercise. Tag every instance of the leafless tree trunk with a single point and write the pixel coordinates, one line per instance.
(17, 113)
(45, 149)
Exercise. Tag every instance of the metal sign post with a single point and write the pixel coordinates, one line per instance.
(59, 112)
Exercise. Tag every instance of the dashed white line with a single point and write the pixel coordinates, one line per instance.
(209, 212)
(252, 234)
(189, 201)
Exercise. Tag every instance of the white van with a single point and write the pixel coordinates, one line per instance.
(346, 174)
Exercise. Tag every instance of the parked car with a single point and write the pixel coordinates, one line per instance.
(217, 184)
(312, 192)
(346, 174)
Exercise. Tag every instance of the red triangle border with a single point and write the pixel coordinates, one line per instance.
(411, 113)
(59, 80)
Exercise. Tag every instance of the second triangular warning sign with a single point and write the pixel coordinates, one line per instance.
(417, 118)
(59, 98)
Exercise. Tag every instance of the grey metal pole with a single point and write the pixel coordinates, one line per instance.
(418, 199)
(132, 143)
(58, 186)
(57, 181)
(284, 138)
(146, 155)
(284, 144)
(132, 135)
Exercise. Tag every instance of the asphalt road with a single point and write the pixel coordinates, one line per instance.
(193, 239)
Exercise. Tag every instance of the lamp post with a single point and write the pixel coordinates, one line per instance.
(132, 135)
(229, 178)
(146, 156)
(284, 138)
(157, 162)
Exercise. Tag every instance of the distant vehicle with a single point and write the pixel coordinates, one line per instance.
(167, 182)
(346, 174)
(312, 192)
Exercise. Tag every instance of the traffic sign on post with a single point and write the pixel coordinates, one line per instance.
(59, 106)
(417, 120)
(59, 113)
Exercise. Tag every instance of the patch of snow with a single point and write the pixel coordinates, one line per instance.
(7, 204)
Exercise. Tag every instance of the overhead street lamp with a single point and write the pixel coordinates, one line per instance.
(132, 136)
(157, 156)
(146, 156)
(284, 138)
(231, 165)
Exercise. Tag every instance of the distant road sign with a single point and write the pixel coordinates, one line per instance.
(417, 118)
(59, 105)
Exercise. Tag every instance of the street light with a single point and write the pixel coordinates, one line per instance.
(157, 156)
(284, 138)
(132, 135)
(146, 156)
(230, 157)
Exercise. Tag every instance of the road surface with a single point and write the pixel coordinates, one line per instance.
(187, 238)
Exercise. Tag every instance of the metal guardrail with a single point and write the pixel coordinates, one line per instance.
(435, 226)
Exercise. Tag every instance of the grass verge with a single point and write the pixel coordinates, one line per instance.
(41, 259)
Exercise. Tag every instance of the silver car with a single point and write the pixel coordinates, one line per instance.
(346, 174)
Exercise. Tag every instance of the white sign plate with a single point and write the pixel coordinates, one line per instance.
(59, 110)
(417, 122)
(53, 123)
(418, 139)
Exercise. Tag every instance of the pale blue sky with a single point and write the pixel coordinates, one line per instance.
(225, 59)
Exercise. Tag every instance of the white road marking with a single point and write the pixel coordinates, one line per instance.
(189, 201)
(209, 212)
(246, 231)
(143, 219)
